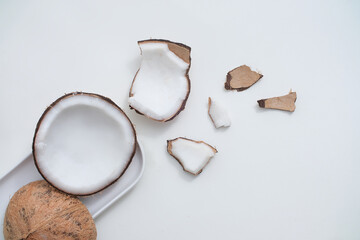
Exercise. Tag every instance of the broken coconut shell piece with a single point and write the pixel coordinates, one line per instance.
(83, 143)
(218, 115)
(39, 211)
(161, 86)
(192, 155)
(286, 102)
(241, 78)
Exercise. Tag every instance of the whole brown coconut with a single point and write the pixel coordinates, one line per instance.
(39, 211)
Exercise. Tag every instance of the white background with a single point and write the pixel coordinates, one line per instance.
(277, 175)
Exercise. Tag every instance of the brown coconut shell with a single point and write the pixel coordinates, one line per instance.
(56, 102)
(285, 103)
(241, 78)
(182, 51)
(39, 211)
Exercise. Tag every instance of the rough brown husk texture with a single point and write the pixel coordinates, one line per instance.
(241, 78)
(169, 149)
(58, 101)
(39, 211)
(182, 51)
(285, 103)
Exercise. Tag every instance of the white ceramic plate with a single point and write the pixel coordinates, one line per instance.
(26, 172)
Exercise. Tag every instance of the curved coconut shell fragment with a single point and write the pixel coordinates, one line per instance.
(161, 86)
(192, 155)
(241, 78)
(285, 103)
(39, 211)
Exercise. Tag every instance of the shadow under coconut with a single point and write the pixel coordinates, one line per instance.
(111, 207)
(177, 167)
(148, 127)
(184, 175)
(134, 65)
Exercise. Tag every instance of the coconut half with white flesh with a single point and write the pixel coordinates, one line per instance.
(192, 155)
(161, 86)
(83, 143)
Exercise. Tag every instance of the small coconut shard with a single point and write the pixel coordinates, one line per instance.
(241, 78)
(285, 103)
(192, 155)
(83, 143)
(161, 86)
(218, 115)
(39, 211)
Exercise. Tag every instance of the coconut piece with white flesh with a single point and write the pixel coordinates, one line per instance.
(192, 155)
(161, 86)
(83, 143)
(218, 114)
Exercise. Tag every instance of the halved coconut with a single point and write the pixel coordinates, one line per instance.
(83, 143)
(192, 155)
(161, 86)
(218, 114)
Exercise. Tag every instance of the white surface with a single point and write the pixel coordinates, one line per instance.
(83, 144)
(219, 114)
(277, 175)
(193, 155)
(26, 172)
(160, 86)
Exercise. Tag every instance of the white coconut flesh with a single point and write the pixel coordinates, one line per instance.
(192, 155)
(161, 85)
(218, 114)
(83, 144)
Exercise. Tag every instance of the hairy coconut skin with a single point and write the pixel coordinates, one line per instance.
(39, 211)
